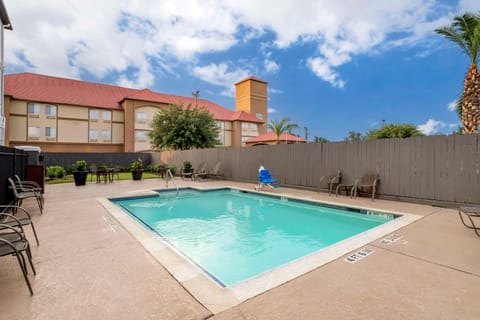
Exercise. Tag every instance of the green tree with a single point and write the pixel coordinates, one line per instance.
(394, 131)
(178, 127)
(319, 139)
(354, 136)
(465, 31)
(279, 127)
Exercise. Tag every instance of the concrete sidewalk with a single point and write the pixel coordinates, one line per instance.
(89, 267)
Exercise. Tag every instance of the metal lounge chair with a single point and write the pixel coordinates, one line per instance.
(201, 172)
(265, 179)
(13, 221)
(216, 172)
(21, 195)
(13, 242)
(470, 212)
(31, 186)
(332, 182)
(368, 183)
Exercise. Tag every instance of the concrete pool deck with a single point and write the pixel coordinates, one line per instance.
(90, 267)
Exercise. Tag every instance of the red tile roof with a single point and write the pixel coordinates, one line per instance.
(36, 87)
(245, 116)
(270, 136)
(48, 89)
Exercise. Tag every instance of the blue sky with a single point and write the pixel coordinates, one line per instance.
(331, 66)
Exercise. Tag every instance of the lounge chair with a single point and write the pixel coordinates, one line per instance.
(332, 181)
(470, 212)
(13, 221)
(13, 242)
(22, 195)
(368, 183)
(265, 179)
(215, 173)
(190, 173)
(200, 172)
(29, 186)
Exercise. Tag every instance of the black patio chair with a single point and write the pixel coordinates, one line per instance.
(13, 242)
(22, 195)
(10, 220)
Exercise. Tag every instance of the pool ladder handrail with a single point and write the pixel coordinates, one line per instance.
(170, 176)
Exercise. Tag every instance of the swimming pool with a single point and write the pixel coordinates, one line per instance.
(235, 235)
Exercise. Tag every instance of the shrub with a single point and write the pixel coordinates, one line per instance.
(81, 165)
(187, 166)
(55, 172)
(137, 164)
(152, 168)
(173, 168)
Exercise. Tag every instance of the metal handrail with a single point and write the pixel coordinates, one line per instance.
(170, 176)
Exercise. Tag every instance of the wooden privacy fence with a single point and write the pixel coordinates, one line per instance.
(432, 169)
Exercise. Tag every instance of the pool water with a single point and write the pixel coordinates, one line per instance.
(235, 235)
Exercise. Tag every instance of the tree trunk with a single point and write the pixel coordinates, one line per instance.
(471, 100)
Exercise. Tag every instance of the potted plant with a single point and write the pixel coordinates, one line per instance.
(80, 173)
(187, 167)
(137, 169)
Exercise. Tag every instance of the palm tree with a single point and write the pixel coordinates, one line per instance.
(279, 127)
(465, 31)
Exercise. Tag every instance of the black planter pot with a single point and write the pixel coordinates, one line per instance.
(80, 177)
(137, 174)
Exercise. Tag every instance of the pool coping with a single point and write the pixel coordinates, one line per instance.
(217, 298)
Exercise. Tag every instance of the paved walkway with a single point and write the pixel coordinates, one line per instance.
(89, 267)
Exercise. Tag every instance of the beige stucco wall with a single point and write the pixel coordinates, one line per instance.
(72, 131)
(18, 107)
(64, 111)
(117, 132)
(18, 128)
(117, 115)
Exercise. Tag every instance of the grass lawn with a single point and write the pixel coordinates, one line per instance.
(122, 176)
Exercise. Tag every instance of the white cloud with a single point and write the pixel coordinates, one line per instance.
(114, 37)
(435, 126)
(271, 66)
(469, 6)
(272, 110)
(273, 90)
(452, 105)
(220, 75)
(324, 70)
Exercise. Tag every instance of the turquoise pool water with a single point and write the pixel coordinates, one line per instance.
(235, 235)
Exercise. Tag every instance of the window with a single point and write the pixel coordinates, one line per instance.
(93, 135)
(107, 135)
(50, 111)
(141, 117)
(50, 132)
(34, 133)
(221, 138)
(141, 136)
(221, 125)
(244, 139)
(107, 116)
(259, 116)
(33, 109)
(249, 126)
(93, 115)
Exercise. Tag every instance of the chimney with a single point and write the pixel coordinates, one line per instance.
(251, 97)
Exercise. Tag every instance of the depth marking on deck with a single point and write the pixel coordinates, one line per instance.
(111, 223)
(393, 238)
(359, 255)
